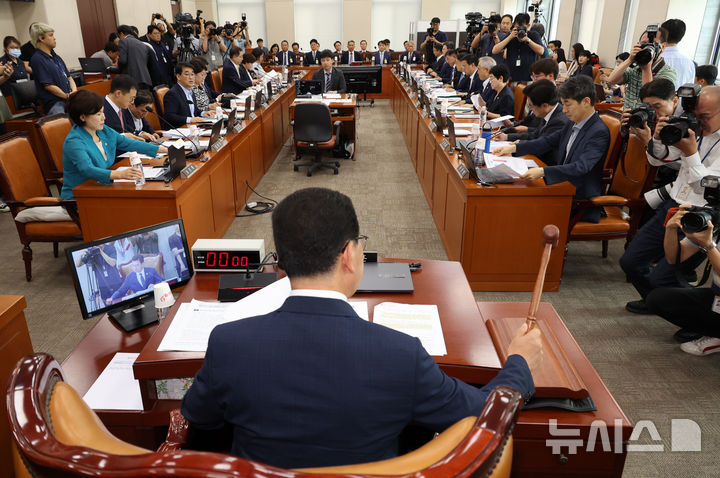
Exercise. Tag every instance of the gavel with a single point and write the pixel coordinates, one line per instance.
(551, 235)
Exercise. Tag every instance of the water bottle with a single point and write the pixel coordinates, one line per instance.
(219, 112)
(478, 158)
(302, 60)
(483, 115)
(373, 59)
(475, 132)
(444, 107)
(136, 163)
(486, 134)
(252, 101)
(284, 74)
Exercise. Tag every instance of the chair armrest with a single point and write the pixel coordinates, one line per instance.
(42, 201)
(609, 201)
(338, 128)
(177, 432)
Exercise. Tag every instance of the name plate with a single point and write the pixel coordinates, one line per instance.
(238, 127)
(445, 144)
(424, 114)
(433, 126)
(188, 171)
(253, 116)
(216, 146)
(462, 171)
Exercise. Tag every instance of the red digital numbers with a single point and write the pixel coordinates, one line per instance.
(226, 256)
(223, 260)
(210, 259)
(235, 261)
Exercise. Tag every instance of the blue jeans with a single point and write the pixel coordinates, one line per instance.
(647, 248)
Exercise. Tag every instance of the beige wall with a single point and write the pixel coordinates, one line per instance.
(433, 8)
(63, 16)
(188, 6)
(356, 21)
(280, 22)
(139, 12)
(647, 12)
(564, 26)
(7, 22)
(609, 39)
(209, 8)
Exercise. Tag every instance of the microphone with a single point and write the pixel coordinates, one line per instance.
(195, 147)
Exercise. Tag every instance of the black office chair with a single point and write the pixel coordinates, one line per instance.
(24, 96)
(313, 130)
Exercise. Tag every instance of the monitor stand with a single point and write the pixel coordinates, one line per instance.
(136, 315)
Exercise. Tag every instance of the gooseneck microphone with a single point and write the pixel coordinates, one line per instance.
(195, 147)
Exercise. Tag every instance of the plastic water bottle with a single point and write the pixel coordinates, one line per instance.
(478, 158)
(486, 135)
(252, 102)
(219, 112)
(475, 132)
(373, 59)
(136, 163)
(483, 115)
(444, 107)
(284, 74)
(302, 60)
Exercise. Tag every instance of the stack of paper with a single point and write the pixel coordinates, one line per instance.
(514, 167)
(182, 132)
(116, 387)
(421, 321)
(148, 171)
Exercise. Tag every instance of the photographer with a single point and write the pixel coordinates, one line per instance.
(697, 160)
(166, 29)
(212, 45)
(241, 35)
(101, 261)
(187, 45)
(635, 74)
(695, 310)
(433, 36)
(484, 41)
(521, 48)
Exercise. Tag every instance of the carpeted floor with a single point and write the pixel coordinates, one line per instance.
(650, 377)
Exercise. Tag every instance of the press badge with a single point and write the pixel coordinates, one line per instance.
(684, 192)
(212, 57)
(716, 305)
(517, 62)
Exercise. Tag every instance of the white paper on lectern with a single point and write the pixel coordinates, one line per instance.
(116, 387)
(421, 321)
(262, 302)
(514, 167)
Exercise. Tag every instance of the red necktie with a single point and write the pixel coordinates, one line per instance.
(122, 123)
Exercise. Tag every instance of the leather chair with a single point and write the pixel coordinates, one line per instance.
(52, 131)
(154, 261)
(613, 123)
(23, 186)
(216, 76)
(159, 93)
(596, 74)
(56, 434)
(623, 204)
(24, 95)
(313, 130)
(520, 101)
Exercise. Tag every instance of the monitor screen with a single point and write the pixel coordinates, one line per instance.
(362, 79)
(117, 271)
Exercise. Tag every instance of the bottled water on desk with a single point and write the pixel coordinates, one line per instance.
(136, 163)
(483, 115)
(284, 74)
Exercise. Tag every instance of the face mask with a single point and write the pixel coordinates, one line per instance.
(14, 52)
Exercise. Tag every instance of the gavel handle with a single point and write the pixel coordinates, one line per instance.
(539, 282)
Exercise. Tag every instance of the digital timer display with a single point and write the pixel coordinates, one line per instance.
(225, 260)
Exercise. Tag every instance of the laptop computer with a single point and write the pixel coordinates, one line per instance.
(306, 88)
(92, 65)
(248, 107)
(231, 119)
(439, 120)
(176, 162)
(215, 132)
(392, 277)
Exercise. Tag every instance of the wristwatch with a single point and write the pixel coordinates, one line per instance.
(706, 249)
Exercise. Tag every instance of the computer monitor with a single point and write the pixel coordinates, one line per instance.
(362, 79)
(116, 274)
(451, 132)
(92, 65)
(248, 107)
(308, 87)
(439, 120)
(232, 116)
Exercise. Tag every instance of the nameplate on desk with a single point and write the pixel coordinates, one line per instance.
(238, 127)
(188, 171)
(216, 146)
(462, 171)
(424, 114)
(253, 116)
(433, 127)
(445, 144)
(418, 104)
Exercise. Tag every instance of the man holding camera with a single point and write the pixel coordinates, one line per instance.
(644, 64)
(698, 159)
(433, 36)
(212, 45)
(521, 48)
(484, 41)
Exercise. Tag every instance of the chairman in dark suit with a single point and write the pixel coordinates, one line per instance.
(582, 145)
(236, 72)
(313, 384)
(351, 56)
(411, 57)
(286, 57)
(331, 79)
(139, 279)
(179, 102)
(134, 57)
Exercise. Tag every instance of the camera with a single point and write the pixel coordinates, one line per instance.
(228, 28)
(697, 217)
(491, 26)
(243, 23)
(535, 6)
(216, 31)
(475, 22)
(430, 32)
(158, 16)
(521, 32)
(649, 48)
(679, 126)
(641, 115)
(91, 256)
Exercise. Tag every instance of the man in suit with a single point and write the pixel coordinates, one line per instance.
(411, 57)
(581, 145)
(122, 91)
(343, 388)
(472, 83)
(436, 67)
(163, 57)
(284, 56)
(139, 280)
(485, 64)
(381, 57)
(134, 116)
(350, 56)
(134, 57)
(179, 102)
(449, 68)
(236, 72)
(313, 56)
(331, 79)
(363, 50)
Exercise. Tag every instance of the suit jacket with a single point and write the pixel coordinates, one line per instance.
(134, 58)
(447, 73)
(463, 82)
(487, 92)
(292, 58)
(309, 58)
(538, 127)
(503, 103)
(345, 59)
(585, 70)
(475, 86)
(340, 392)
(411, 58)
(132, 282)
(177, 109)
(337, 80)
(438, 64)
(386, 58)
(112, 119)
(457, 78)
(129, 121)
(232, 82)
(583, 164)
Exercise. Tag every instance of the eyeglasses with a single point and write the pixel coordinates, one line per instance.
(360, 239)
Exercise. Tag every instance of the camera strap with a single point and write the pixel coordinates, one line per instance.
(707, 268)
(658, 67)
(709, 150)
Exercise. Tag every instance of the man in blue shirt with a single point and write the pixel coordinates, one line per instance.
(522, 48)
(433, 36)
(139, 280)
(52, 78)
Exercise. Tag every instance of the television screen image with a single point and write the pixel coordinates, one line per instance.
(119, 270)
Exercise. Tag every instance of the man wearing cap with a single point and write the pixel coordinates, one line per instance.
(432, 37)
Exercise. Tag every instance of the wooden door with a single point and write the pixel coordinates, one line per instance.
(97, 21)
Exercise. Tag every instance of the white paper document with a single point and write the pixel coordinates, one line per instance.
(514, 167)
(192, 324)
(421, 321)
(262, 302)
(477, 101)
(116, 387)
(361, 308)
(499, 121)
(459, 108)
(148, 171)
(531, 164)
(459, 132)
(141, 156)
(332, 96)
(467, 116)
(203, 143)
(180, 132)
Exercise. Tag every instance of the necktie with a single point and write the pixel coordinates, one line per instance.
(122, 123)
(286, 59)
(327, 82)
(381, 57)
(141, 279)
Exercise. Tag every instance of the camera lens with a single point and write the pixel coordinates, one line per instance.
(673, 133)
(645, 56)
(695, 221)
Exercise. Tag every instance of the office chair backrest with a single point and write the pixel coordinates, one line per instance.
(519, 101)
(20, 174)
(599, 93)
(154, 261)
(159, 92)
(312, 123)
(216, 77)
(631, 177)
(24, 95)
(53, 130)
(613, 124)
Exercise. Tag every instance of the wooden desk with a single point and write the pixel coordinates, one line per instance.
(495, 232)
(14, 344)
(207, 201)
(471, 357)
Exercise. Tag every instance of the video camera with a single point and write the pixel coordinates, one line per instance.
(185, 22)
(697, 217)
(641, 115)
(650, 48)
(475, 22)
(91, 256)
(678, 127)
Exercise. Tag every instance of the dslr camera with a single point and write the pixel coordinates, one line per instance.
(641, 115)
(228, 28)
(679, 126)
(521, 32)
(697, 217)
(649, 48)
(157, 16)
(243, 23)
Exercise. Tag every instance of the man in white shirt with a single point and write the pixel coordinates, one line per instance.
(674, 30)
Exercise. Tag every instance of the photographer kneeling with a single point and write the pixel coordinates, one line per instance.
(695, 310)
